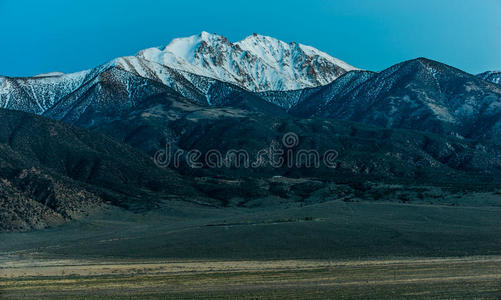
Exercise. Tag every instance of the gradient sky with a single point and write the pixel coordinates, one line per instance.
(72, 35)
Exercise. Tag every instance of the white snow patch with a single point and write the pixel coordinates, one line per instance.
(256, 63)
(50, 74)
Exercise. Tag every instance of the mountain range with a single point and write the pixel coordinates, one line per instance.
(191, 66)
(90, 136)
(419, 94)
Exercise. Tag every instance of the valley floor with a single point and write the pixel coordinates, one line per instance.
(447, 278)
(336, 249)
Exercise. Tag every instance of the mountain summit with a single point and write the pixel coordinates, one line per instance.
(256, 63)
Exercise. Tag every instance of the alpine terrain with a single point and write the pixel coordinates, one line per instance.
(172, 154)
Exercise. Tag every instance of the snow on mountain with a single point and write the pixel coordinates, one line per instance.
(209, 70)
(421, 94)
(196, 67)
(50, 74)
(492, 76)
(37, 94)
(257, 63)
(192, 86)
(123, 82)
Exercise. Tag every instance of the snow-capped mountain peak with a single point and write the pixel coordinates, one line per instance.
(267, 48)
(187, 48)
(274, 51)
(257, 63)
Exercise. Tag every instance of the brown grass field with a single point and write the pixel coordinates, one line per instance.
(437, 278)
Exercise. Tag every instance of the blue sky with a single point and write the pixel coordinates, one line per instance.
(44, 36)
